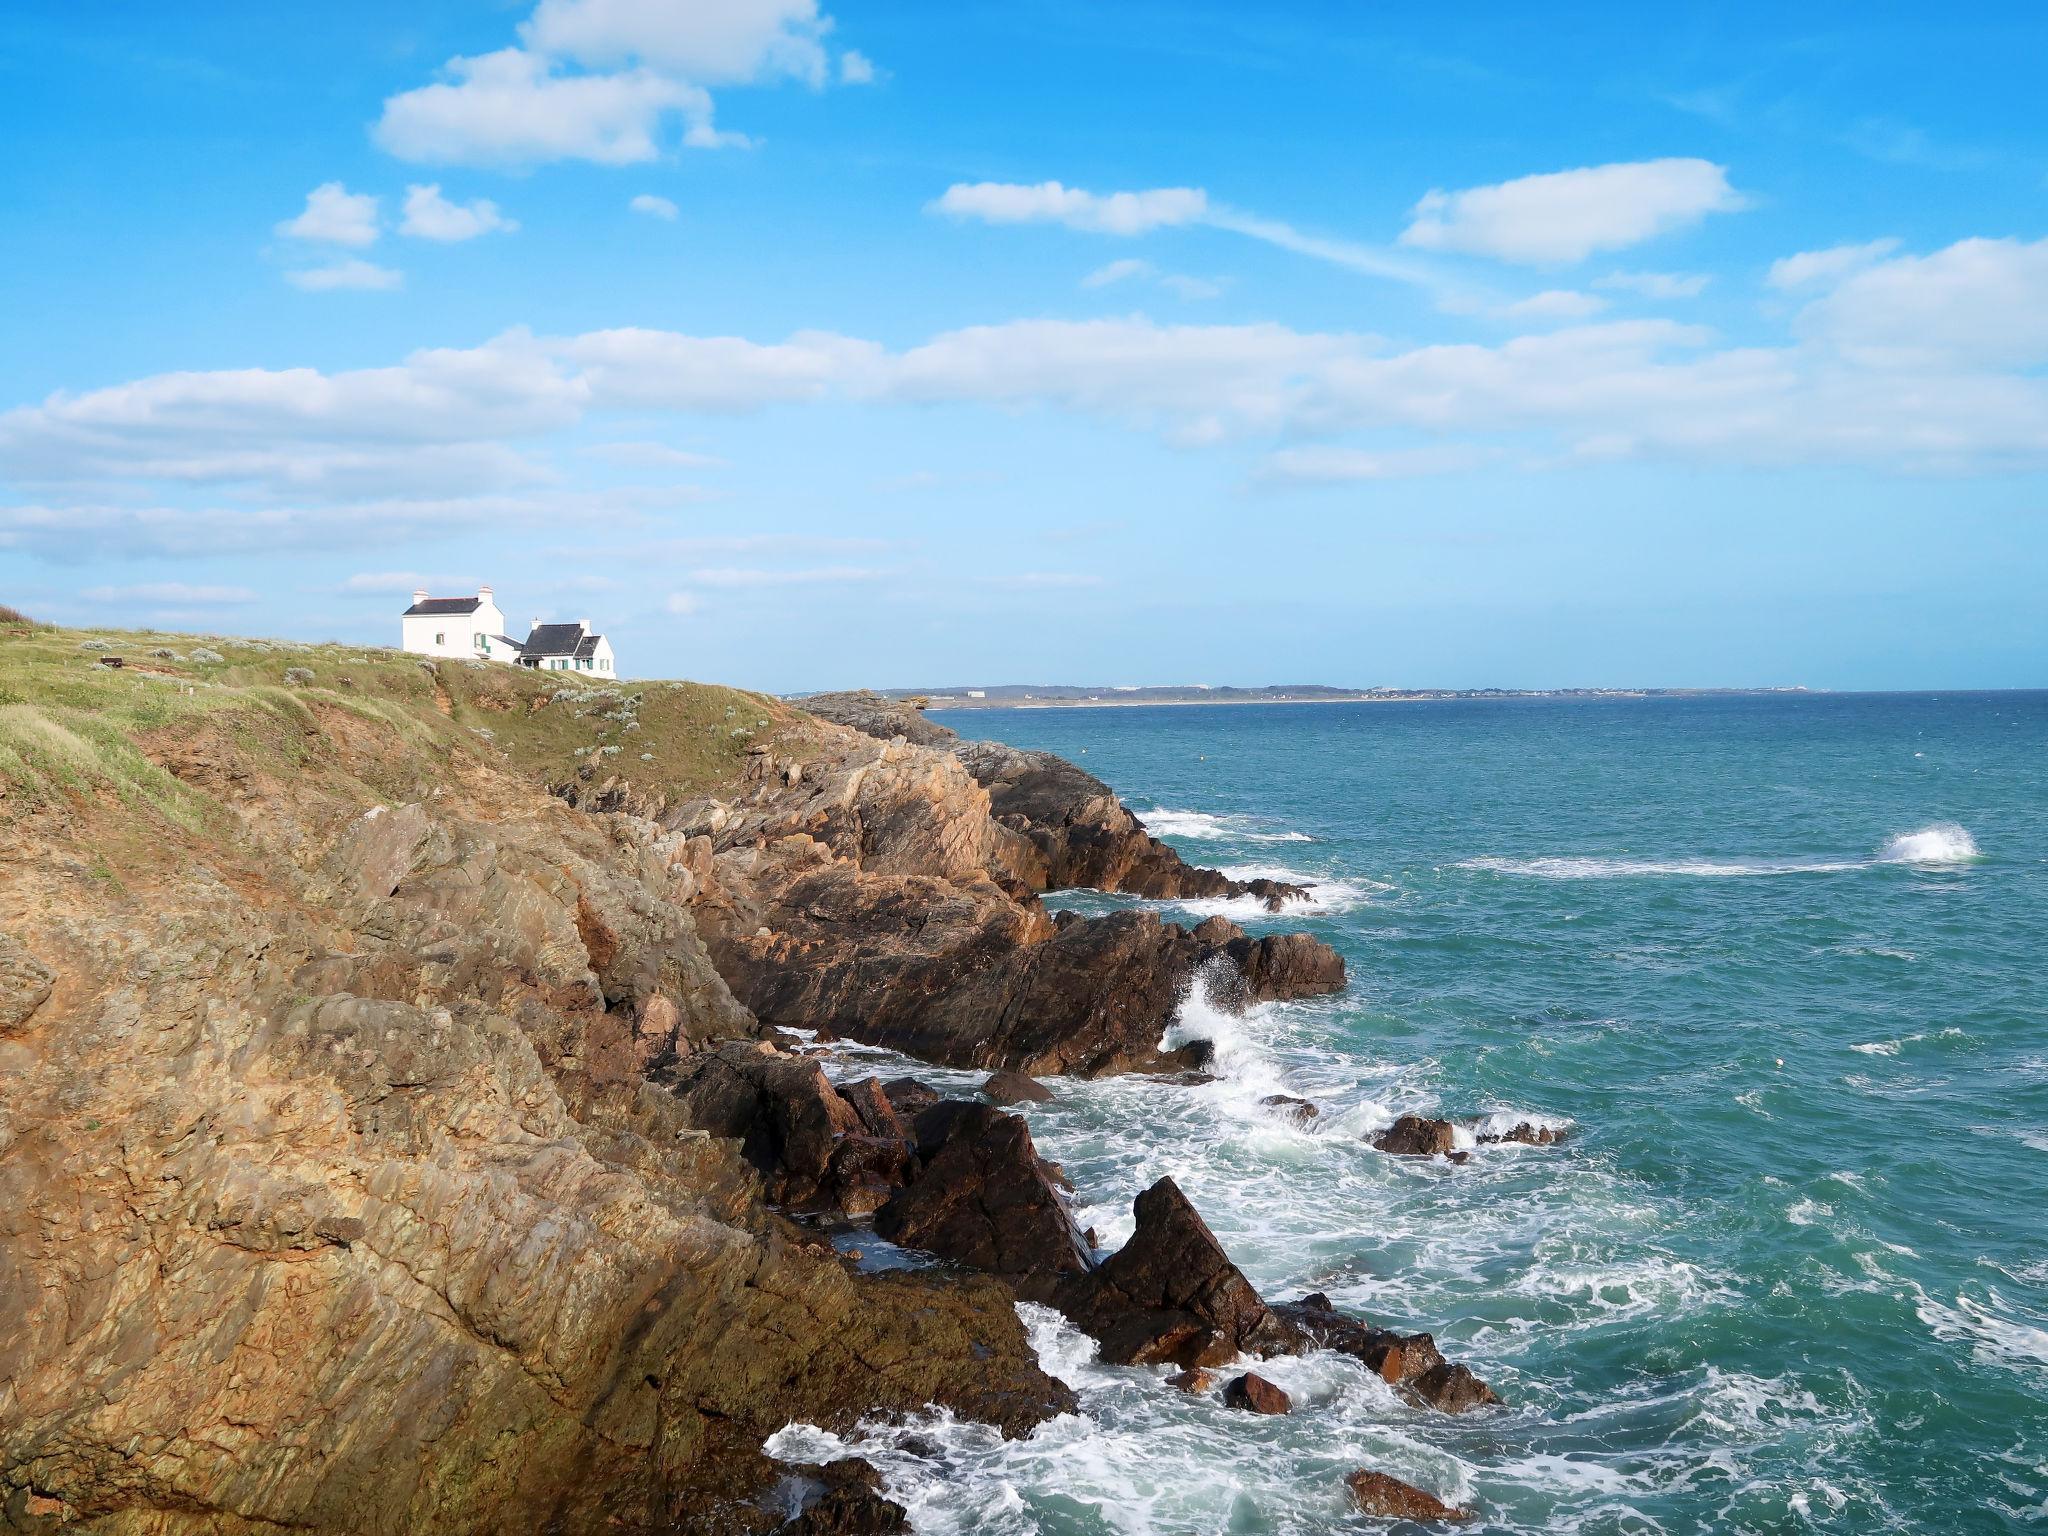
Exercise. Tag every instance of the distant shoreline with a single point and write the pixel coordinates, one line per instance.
(943, 702)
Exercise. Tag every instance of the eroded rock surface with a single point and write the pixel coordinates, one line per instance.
(1388, 1498)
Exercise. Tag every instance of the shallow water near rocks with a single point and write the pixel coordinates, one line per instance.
(1776, 961)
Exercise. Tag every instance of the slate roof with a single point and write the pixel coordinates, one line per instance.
(560, 640)
(440, 605)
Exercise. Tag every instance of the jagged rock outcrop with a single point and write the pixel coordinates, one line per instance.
(1079, 833)
(1410, 1362)
(340, 1190)
(1252, 1393)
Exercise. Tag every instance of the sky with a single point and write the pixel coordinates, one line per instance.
(803, 345)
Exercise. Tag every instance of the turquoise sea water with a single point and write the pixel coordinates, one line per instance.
(1779, 964)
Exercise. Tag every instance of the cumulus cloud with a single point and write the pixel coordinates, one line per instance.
(603, 80)
(351, 274)
(1565, 216)
(1978, 303)
(655, 207)
(680, 603)
(856, 68)
(430, 216)
(1048, 202)
(333, 215)
(1812, 268)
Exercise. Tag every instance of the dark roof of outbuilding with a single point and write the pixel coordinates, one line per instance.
(439, 605)
(555, 640)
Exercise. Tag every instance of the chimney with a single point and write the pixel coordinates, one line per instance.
(484, 593)
(538, 622)
(419, 595)
(584, 625)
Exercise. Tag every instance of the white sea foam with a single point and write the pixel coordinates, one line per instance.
(1998, 1332)
(1942, 843)
(1204, 827)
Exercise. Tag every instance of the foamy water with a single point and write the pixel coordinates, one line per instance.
(1783, 1274)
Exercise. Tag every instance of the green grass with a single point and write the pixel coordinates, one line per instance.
(72, 728)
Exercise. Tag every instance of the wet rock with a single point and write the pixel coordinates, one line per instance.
(909, 1097)
(1193, 1380)
(1389, 1498)
(1526, 1133)
(1254, 1393)
(981, 1197)
(1284, 966)
(1015, 1088)
(844, 1498)
(1288, 1107)
(1415, 1136)
(1171, 1294)
(878, 1113)
(1411, 1363)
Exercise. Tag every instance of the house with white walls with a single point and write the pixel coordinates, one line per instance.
(473, 627)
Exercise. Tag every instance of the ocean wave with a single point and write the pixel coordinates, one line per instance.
(1998, 1332)
(1943, 843)
(1205, 827)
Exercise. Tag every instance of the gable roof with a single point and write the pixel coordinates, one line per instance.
(440, 605)
(556, 640)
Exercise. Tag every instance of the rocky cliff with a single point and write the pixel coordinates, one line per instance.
(393, 1131)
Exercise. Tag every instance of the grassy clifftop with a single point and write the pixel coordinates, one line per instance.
(75, 729)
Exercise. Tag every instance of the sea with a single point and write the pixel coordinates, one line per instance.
(1777, 965)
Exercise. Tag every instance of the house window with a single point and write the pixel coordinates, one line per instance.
(478, 637)
(440, 638)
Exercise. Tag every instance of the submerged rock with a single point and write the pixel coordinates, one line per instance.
(843, 1498)
(1288, 1107)
(1389, 1498)
(1254, 1393)
(1527, 1133)
(1015, 1088)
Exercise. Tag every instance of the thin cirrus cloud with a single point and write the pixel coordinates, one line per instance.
(1925, 363)
(1811, 268)
(430, 216)
(1565, 216)
(655, 207)
(353, 274)
(605, 81)
(1178, 283)
(171, 592)
(741, 577)
(1656, 285)
(1141, 212)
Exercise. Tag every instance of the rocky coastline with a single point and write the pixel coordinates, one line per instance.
(397, 1139)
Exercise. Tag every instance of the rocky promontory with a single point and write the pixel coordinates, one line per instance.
(396, 1134)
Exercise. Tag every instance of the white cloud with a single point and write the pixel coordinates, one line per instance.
(1656, 285)
(513, 108)
(601, 80)
(1567, 215)
(170, 592)
(1117, 272)
(681, 603)
(333, 215)
(1812, 268)
(1977, 303)
(823, 575)
(856, 68)
(713, 41)
(351, 274)
(1108, 213)
(1554, 304)
(430, 216)
(655, 207)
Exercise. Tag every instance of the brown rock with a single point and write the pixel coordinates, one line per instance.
(1414, 1136)
(1253, 1392)
(878, 1113)
(1015, 1088)
(1194, 1379)
(24, 984)
(843, 1498)
(1527, 1134)
(1283, 966)
(1391, 1499)
(982, 1198)
(1170, 1293)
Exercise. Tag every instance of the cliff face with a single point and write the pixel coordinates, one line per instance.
(338, 1189)
(391, 1133)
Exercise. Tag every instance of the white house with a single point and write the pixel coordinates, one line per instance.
(566, 648)
(473, 626)
(455, 626)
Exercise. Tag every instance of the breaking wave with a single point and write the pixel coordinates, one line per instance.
(1203, 827)
(1942, 843)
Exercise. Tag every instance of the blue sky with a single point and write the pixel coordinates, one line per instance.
(804, 346)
